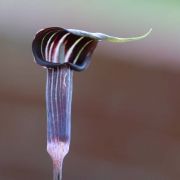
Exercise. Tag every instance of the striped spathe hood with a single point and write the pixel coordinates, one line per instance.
(55, 46)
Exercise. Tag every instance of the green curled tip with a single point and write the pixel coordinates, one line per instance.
(104, 37)
(122, 40)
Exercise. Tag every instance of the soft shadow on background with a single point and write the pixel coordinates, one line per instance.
(126, 106)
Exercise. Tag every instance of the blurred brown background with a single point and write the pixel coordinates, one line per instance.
(126, 106)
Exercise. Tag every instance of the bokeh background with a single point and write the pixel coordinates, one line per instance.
(126, 106)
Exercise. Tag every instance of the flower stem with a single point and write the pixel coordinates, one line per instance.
(57, 171)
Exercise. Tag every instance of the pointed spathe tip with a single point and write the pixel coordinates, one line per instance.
(122, 40)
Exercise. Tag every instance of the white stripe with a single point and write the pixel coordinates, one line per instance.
(60, 96)
(75, 60)
(47, 46)
(57, 50)
(42, 53)
(69, 99)
(57, 99)
(71, 49)
(50, 51)
(52, 110)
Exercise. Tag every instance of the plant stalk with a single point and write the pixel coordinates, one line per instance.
(58, 105)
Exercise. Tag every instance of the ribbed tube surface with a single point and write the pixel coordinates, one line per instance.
(58, 104)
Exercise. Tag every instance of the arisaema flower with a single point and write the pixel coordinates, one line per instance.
(61, 51)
